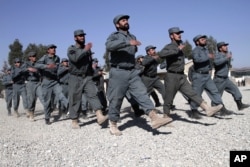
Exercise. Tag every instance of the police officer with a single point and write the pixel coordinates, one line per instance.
(33, 85)
(201, 78)
(8, 84)
(221, 80)
(63, 76)
(80, 79)
(99, 82)
(49, 65)
(149, 75)
(175, 79)
(19, 75)
(122, 46)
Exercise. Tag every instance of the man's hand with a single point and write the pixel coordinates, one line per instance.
(30, 69)
(155, 56)
(181, 46)
(211, 55)
(229, 55)
(50, 66)
(88, 46)
(134, 42)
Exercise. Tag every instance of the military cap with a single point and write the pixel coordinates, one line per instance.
(17, 60)
(220, 44)
(95, 60)
(79, 32)
(31, 53)
(119, 17)
(149, 47)
(140, 56)
(65, 60)
(175, 30)
(51, 46)
(198, 37)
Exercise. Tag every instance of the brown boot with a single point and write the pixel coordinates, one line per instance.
(16, 113)
(113, 129)
(210, 110)
(100, 117)
(31, 114)
(75, 124)
(156, 121)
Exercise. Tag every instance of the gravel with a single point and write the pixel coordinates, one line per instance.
(185, 142)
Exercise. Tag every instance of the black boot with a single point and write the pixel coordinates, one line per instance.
(9, 112)
(194, 114)
(156, 99)
(84, 114)
(137, 111)
(47, 122)
(241, 105)
(223, 111)
(172, 107)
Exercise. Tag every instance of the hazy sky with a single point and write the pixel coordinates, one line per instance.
(53, 22)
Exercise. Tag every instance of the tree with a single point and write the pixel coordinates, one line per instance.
(15, 51)
(187, 50)
(211, 45)
(39, 49)
(2, 72)
(5, 67)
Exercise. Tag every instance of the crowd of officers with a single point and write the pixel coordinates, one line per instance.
(77, 81)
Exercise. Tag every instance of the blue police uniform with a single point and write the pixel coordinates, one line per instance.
(50, 84)
(123, 76)
(8, 84)
(221, 80)
(19, 87)
(80, 81)
(201, 78)
(33, 87)
(63, 76)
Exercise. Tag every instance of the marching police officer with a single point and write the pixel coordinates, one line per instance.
(80, 79)
(201, 78)
(19, 75)
(221, 80)
(149, 75)
(175, 79)
(63, 76)
(122, 46)
(50, 85)
(8, 83)
(33, 85)
(99, 82)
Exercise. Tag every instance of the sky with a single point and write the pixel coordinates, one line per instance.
(54, 21)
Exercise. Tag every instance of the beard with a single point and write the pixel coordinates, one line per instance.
(124, 27)
(80, 42)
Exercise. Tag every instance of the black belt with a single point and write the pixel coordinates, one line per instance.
(150, 76)
(221, 77)
(123, 68)
(201, 72)
(79, 74)
(176, 72)
(63, 83)
(19, 83)
(34, 80)
(54, 79)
